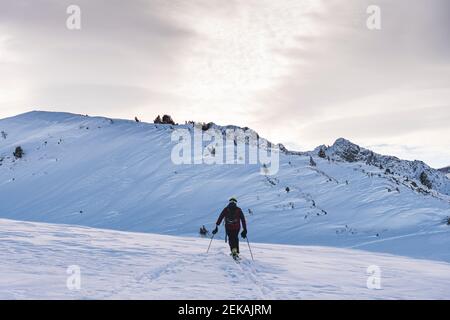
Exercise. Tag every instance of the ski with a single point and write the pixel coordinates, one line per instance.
(236, 258)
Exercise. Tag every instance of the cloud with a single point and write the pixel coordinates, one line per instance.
(300, 72)
(119, 47)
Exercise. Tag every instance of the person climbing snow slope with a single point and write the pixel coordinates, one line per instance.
(233, 216)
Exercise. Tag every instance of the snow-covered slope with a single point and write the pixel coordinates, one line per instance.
(35, 258)
(118, 174)
(445, 171)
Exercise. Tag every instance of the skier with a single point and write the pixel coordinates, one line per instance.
(233, 216)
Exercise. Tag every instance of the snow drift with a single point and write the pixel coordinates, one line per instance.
(35, 258)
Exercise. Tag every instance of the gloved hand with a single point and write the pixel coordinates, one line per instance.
(244, 234)
(215, 230)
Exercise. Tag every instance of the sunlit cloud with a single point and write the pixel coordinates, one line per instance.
(301, 73)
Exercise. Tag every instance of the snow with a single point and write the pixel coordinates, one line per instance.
(104, 195)
(122, 265)
(117, 174)
(344, 150)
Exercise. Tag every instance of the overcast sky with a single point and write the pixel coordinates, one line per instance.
(301, 72)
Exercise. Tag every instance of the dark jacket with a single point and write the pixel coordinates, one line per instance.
(233, 216)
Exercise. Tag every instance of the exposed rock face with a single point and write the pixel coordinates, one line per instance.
(344, 150)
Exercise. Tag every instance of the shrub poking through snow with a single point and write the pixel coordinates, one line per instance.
(166, 119)
(157, 120)
(207, 126)
(425, 181)
(312, 163)
(18, 153)
(203, 231)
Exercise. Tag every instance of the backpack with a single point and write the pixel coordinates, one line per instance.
(231, 216)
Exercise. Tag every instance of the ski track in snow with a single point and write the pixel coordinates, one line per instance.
(34, 258)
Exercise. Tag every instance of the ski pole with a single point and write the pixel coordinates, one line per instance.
(249, 248)
(210, 242)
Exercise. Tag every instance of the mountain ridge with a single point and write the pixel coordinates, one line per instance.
(341, 150)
